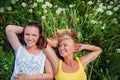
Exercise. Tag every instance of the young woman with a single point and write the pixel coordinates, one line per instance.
(70, 69)
(30, 60)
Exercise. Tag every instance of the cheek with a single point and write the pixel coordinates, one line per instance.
(37, 38)
(72, 49)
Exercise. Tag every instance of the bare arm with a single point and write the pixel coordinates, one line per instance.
(11, 32)
(52, 42)
(95, 52)
(51, 55)
(49, 71)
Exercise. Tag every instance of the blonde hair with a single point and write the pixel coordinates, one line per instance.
(65, 34)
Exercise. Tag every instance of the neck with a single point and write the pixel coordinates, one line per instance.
(31, 48)
(69, 60)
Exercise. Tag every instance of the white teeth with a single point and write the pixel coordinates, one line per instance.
(30, 41)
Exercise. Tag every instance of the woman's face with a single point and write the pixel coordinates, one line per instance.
(31, 36)
(66, 47)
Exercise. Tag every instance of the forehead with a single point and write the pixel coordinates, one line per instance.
(67, 41)
(31, 29)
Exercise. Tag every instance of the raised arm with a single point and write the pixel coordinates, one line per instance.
(52, 42)
(94, 53)
(51, 55)
(11, 32)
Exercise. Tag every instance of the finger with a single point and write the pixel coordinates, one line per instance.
(19, 74)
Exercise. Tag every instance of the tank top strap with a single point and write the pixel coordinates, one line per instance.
(80, 64)
(60, 65)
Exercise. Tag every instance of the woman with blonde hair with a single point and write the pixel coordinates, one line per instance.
(69, 68)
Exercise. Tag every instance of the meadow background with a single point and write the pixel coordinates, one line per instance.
(97, 21)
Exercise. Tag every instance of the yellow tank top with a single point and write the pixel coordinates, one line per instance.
(78, 75)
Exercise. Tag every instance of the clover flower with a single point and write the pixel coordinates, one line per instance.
(23, 4)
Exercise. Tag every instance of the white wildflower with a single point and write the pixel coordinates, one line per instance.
(115, 21)
(101, 5)
(39, 12)
(40, 0)
(116, 1)
(116, 8)
(118, 50)
(86, 15)
(111, 2)
(9, 8)
(43, 6)
(109, 6)
(48, 4)
(63, 9)
(32, 6)
(104, 7)
(109, 12)
(94, 22)
(55, 6)
(118, 5)
(23, 4)
(99, 10)
(103, 27)
(70, 5)
(30, 10)
(99, 1)
(2, 10)
(90, 2)
(59, 10)
(35, 4)
(45, 11)
(13, 1)
(43, 17)
(100, 22)
(108, 61)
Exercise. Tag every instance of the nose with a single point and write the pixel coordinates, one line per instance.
(30, 37)
(61, 47)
